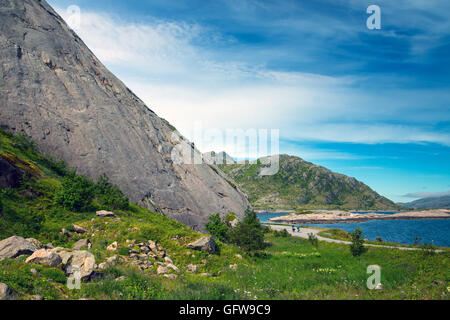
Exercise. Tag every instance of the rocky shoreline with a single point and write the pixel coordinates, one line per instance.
(337, 216)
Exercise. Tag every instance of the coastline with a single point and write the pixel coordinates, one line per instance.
(336, 216)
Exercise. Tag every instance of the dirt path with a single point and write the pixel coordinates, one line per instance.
(305, 231)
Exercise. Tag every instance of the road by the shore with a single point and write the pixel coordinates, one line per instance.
(305, 231)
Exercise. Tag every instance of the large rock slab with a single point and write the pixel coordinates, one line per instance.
(45, 257)
(15, 246)
(205, 244)
(76, 261)
(5, 292)
(51, 90)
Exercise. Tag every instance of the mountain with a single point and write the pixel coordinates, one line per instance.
(218, 158)
(300, 184)
(56, 91)
(442, 202)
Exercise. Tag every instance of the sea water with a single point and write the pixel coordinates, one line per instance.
(436, 231)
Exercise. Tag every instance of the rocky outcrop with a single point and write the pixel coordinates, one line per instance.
(44, 257)
(76, 261)
(104, 213)
(52, 89)
(15, 246)
(10, 176)
(81, 244)
(5, 292)
(205, 244)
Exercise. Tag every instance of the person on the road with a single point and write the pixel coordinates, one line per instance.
(298, 228)
(293, 228)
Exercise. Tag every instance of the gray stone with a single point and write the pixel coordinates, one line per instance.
(162, 270)
(45, 257)
(76, 260)
(37, 243)
(192, 268)
(5, 292)
(79, 229)
(14, 247)
(104, 213)
(81, 243)
(205, 244)
(52, 91)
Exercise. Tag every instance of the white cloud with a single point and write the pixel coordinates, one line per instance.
(185, 83)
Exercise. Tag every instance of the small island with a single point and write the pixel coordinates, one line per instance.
(338, 216)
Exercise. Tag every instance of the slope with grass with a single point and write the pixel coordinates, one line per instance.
(300, 184)
(286, 268)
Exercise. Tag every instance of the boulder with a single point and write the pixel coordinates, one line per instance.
(77, 260)
(205, 244)
(66, 232)
(239, 256)
(45, 257)
(171, 276)
(168, 260)
(82, 243)
(79, 229)
(172, 266)
(162, 270)
(113, 246)
(14, 247)
(5, 292)
(104, 213)
(37, 243)
(192, 268)
(233, 266)
(112, 259)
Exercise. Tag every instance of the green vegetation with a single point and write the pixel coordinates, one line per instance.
(217, 228)
(248, 234)
(279, 267)
(357, 247)
(303, 185)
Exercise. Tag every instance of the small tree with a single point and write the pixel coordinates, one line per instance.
(248, 233)
(313, 240)
(217, 228)
(357, 246)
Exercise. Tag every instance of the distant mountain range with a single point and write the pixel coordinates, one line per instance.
(302, 185)
(442, 202)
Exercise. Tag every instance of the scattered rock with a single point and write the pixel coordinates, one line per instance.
(104, 213)
(113, 246)
(192, 268)
(239, 256)
(34, 272)
(205, 274)
(437, 283)
(36, 298)
(5, 292)
(121, 278)
(15, 246)
(82, 243)
(173, 267)
(168, 260)
(112, 259)
(162, 270)
(233, 266)
(66, 232)
(205, 244)
(171, 276)
(79, 229)
(45, 257)
(37, 243)
(49, 246)
(77, 260)
(103, 266)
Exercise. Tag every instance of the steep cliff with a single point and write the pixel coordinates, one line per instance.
(56, 91)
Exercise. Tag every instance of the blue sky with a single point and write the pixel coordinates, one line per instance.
(373, 104)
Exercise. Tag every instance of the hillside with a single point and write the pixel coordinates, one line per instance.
(138, 254)
(300, 184)
(429, 203)
(55, 90)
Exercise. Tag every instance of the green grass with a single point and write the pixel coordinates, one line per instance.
(287, 268)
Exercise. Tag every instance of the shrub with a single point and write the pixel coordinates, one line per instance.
(428, 249)
(109, 195)
(357, 246)
(379, 239)
(283, 233)
(217, 228)
(76, 194)
(248, 233)
(313, 240)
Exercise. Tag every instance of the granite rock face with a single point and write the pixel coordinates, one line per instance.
(52, 89)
